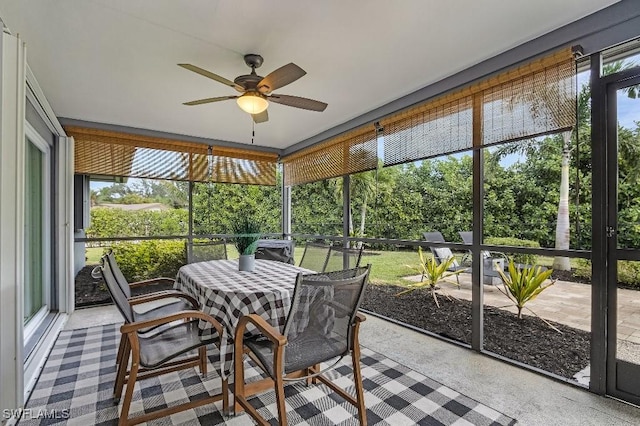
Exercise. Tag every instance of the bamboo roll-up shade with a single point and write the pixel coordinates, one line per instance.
(121, 154)
(531, 99)
(353, 152)
(540, 103)
(443, 129)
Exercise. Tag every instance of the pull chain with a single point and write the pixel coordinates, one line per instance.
(253, 130)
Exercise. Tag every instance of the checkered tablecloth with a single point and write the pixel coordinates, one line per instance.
(227, 294)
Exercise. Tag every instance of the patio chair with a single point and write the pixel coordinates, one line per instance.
(153, 354)
(278, 250)
(149, 306)
(315, 256)
(201, 251)
(336, 255)
(467, 238)
(441, 254)
(321, 326)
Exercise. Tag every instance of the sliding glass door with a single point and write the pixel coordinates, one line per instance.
(37, 231)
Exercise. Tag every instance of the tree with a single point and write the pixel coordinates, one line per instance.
(537, 110)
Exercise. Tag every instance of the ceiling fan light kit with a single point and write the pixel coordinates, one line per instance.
(256, 90)
(252, 103)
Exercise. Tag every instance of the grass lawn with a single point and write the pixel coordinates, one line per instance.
(93, 255)
(388, 267)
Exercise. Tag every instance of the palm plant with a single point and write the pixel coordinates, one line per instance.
(432, 274)
(524, 285)
(246, 235)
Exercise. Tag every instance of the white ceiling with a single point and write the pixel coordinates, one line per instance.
(114, 61)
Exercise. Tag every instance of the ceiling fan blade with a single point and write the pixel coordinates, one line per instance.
(209, 100)
(212, 76)
(261, 117)
(280, 77)
(298, 102)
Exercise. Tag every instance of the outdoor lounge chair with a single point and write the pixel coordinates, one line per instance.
(335, 258)
(201, 251)
(441, 254)
(153, 354)
(467, 238)
(315, 256)
(321, 326)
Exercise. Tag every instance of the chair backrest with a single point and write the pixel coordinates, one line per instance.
(467, 238)
(322, 312)
(118, 297)
(315, 256)
(439, 253)
(122, 282)
(335, 259)
(201, 251)
(278, 250)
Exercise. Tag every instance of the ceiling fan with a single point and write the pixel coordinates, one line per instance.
(256, 90)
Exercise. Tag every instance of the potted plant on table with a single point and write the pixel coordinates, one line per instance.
(246, 235)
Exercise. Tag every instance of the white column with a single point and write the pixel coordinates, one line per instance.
(12, 169)
(64, 240)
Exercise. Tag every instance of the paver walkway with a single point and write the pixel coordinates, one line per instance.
(565, 302)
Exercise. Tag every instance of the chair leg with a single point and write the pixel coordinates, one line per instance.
(120, 349)
(202, 352)
(128, 395)
(225, 397)
(282, 412)
(310, 371)
(357, 378)
(238, 377)
(122, 370)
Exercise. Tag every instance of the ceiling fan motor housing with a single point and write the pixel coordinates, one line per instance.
(253, 60)
(249, 81)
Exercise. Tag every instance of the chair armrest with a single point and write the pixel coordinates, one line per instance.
(133, 327)
(151, 281)
(360, 317)
(261, 324)
(167, 294)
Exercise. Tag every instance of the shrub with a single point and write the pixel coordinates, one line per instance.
(150, 259)
(628, 272)
(527, 259)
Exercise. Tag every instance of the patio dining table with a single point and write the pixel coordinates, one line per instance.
(227, 294)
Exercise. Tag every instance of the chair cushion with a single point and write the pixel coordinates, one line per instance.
(172, 342)
(444, 253)
(299, 353)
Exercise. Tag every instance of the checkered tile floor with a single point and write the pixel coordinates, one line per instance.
(77, 383)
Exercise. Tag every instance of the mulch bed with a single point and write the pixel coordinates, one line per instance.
(528, 340)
